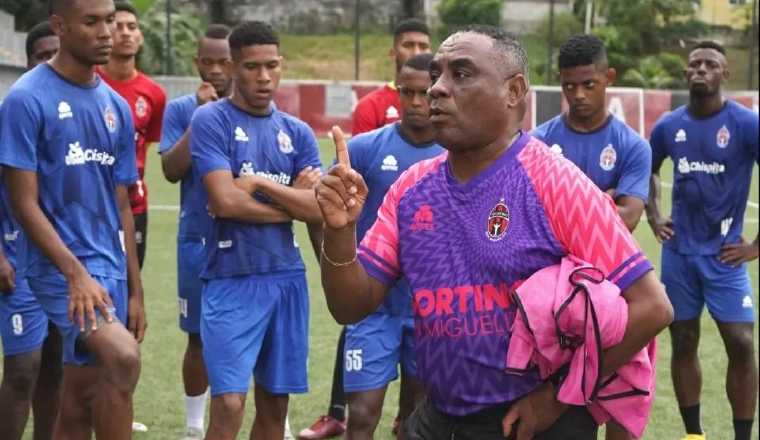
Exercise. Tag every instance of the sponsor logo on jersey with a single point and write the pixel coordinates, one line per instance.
(389, 163)
(423, 219)
(285, 143)
(246, 169)
(498, 221)
(225, 244)
(686, 167)
(64, 110)
(110, 119)
(240, 135)
(78, 155)
(141, 107)
(681, 135)
(11, 236)
(723, 137)
(747, 302)
(556, 149)
(391, 113)
(608, 158)
(281, 178)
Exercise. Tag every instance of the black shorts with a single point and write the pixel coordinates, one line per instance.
(141, 236)
(428, 423)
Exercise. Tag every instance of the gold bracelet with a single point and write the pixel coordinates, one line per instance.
(333, 263)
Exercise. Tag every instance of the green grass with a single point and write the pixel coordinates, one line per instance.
(159, 403)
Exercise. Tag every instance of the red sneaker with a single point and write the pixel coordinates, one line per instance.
(324, 427)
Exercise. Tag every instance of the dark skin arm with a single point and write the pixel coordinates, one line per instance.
(7, 274)
(649, 312)
(176, 162)
(136, 322)
(738, 253)
(350, 292)
(85, 294)
(227, 200)
(629, 208)
(300, 203)
(662, 227)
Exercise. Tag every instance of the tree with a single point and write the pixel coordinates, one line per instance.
(186, 26)
(27, 12)
(456, 14)
(411, 8)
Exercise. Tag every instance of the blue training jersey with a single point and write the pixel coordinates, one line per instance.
(612, 156)
(380, 156)
(277, 147)
(79, 140)
(194, 220)
(713, 160)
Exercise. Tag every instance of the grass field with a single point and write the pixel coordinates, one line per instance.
(159, 402)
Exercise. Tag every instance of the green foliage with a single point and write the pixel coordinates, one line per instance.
(27, 12)
(661, 71)
(456, 14)
(186, 25)
(565, 26)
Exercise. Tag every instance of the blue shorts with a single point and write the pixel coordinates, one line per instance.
(53, 295)
(23, 323)
(694, 280)
(373, 350)
(256, 324)
(191, 259)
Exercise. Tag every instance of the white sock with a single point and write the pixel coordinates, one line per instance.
(195, 410)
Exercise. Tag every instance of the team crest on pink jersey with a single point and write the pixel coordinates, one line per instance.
(141, 107)
(498, 221)
(423, 219)
(110, 118)
(723, 137)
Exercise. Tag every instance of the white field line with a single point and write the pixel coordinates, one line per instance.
(175, 208)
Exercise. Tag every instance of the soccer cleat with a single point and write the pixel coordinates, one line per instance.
(694, 437)
(139, 427)
(193, 434)
(324, 427)
(288, 434)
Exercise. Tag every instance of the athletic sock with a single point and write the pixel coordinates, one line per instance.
(691, 419)
(742, 429)
(337, 408)
(195, 410)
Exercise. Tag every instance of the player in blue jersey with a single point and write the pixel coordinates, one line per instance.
(31, 344)
(377, 345)
(212, 61)
(68, 157)
(607, 150)
(713, 143)
(255, 309)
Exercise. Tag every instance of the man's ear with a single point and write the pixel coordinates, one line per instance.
(517, 89)
(611, 76)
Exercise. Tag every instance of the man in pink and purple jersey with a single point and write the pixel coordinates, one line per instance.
(437, 228)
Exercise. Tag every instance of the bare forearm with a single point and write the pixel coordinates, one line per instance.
(649, 312)
(237, 205)
(348, 288)
(128, 225)
(299, 203)
(176, 162)
(653, 205)
(38, 229)
(315, 237)
(630, 213)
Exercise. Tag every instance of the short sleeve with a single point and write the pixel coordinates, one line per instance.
(751, 138)
(21, 124)
(584, 220)
(126, 161)
(634, 180)
(157, 116)
(658, 144)
(307, 150)
(364, 118)
(208, 143)
(174, 126)
(378, 251)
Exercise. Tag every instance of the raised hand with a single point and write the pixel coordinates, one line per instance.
(341, 192)
(206, 93)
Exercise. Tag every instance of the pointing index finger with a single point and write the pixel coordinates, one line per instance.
(341, 149)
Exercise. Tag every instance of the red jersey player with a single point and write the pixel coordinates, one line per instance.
(146, 99)
(382, 107)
